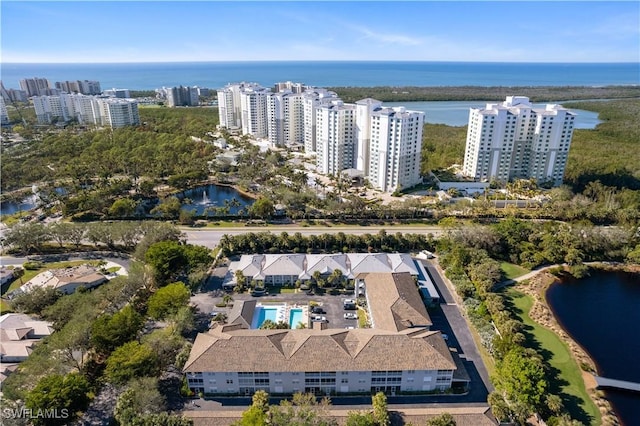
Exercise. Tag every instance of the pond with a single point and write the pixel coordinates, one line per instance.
(601, 313)
(12, 207)
(214, 199)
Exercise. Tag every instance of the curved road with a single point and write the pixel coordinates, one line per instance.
(211, 237)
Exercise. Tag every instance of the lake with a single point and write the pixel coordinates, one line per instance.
(602, 314)
(456, 113)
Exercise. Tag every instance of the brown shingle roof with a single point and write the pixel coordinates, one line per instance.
(317, 350)
(394, 302)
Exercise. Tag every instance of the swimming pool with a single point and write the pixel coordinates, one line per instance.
(262, 314)
(295, 316)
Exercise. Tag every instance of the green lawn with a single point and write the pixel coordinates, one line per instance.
(511, 270)
(4, 307)
(560, 358)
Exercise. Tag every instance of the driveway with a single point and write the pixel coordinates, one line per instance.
(449, 315)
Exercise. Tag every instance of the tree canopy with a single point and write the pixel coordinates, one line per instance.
(168, 300)
(62, 395)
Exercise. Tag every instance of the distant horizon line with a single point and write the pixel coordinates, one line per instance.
(318, 61)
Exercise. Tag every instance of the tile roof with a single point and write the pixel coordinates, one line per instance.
(317, 350)
(394, 302)
(369, 262)
(19, 326)
(61, 278)
(242, 312)
(259, 266)
(326, 264)
(283, 264)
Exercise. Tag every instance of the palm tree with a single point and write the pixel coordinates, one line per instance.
(335, 277)
(226, 299)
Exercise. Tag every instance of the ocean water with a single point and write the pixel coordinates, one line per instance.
(148, 76)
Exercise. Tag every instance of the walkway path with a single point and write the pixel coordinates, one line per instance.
(617, 384)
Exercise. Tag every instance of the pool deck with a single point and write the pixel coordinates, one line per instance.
(283, 312)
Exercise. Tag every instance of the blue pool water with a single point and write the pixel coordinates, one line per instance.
(262, 314)
(295, 316)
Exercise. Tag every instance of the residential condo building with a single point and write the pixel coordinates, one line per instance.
(4, 114)
(116, 112)
(382, 144)
(395, 148)
(85, 87)
(513, 139)
(36, 86)
(101, 111)
(399, 354)
(182, 96)
(253, 110)
(335, 137)
(312, 99)
(52, 108)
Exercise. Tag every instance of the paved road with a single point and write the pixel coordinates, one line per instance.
(211, 237)
(460, 336)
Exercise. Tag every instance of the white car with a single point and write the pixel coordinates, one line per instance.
(318, 318)
(350, 316)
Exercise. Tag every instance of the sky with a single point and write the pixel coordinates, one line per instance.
(167, 31)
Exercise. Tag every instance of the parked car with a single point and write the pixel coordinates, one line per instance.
(350, 315)
(318, 310)
(318, 318)
(349, 304)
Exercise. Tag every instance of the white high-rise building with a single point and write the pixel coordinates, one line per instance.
(4, 114)
(50, 108)
(182, 96)
(253, 106)
(118, 93)
(335, 137)
(285, 115)
(85, 109)
(395, 148)
(312, 99)
(229, 106)
(515, 140)
(289, 86)
(116, 112)
(364, 110)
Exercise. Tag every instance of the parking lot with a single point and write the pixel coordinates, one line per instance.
(331, 304)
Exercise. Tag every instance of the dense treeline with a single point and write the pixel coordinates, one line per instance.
(609, 153)
(524, 381)
(476, 93)
(162, 146)
(108, 336)
(442, 146)
(266, 242)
